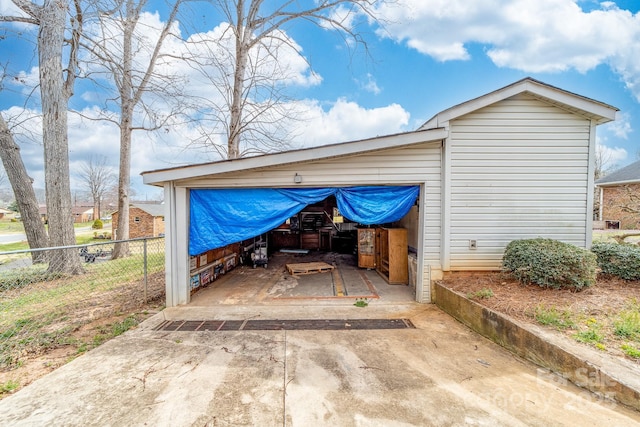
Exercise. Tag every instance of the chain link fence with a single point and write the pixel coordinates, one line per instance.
(48, 294)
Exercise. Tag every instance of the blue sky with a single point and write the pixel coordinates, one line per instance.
(430, 55)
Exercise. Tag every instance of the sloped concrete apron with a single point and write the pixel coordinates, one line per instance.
(609, 377)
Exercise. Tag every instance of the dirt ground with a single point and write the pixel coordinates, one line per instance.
(597, 305)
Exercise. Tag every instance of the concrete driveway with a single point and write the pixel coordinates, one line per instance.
(438, 373)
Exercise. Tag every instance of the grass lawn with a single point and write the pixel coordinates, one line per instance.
(8, 226)
(82, 237)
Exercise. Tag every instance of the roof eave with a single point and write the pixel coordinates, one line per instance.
(614, 183)
(159, 177)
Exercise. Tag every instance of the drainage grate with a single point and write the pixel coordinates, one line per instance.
(281, 325)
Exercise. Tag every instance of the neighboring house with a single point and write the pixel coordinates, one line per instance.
(620, 198)
(79, 213)
(145, 220)
(515, 163)
(5, 213)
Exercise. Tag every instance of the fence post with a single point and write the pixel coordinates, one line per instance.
(145, 269)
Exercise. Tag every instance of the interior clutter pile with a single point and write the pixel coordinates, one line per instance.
(319, 227)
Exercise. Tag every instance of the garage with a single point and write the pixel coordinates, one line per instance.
(317, 243)
(514, 163)
(297, 204)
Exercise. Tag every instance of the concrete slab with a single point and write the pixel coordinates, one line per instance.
(440, 373)
(275, 285)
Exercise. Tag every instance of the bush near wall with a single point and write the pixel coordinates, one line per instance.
(550, 264)
(621, 260)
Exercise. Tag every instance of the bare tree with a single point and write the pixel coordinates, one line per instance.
(23, 191)
(603, 164)
(127, 59)
(97, 178)
(244, 66)
(56, 87)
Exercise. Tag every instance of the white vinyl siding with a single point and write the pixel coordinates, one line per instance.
(396, 166)
(417, 164)
(519, 169)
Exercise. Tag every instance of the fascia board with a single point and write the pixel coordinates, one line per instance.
(316, 153)
(605, 113)
(616, 183)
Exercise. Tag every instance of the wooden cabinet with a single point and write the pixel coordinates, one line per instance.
(392, 255)
(366, 247)
(310, 240)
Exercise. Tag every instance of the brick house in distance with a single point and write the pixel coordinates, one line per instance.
(80, 213)
(620, 198)
(145, 220)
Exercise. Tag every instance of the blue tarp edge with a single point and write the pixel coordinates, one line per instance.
(220, 217)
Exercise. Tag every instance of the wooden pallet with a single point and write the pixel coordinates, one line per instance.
(309, 268)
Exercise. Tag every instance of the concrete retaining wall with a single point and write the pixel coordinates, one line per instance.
(610, 383)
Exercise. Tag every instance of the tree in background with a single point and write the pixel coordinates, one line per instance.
(56, 87)
(97, 179)
(603, 165)
(244, 63)
(126, 52)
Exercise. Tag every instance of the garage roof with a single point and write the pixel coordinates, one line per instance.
(158, 177)
(569, 101)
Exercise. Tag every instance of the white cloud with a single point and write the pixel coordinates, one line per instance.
(27, 81)
(620, 127)
(348, 121)
(610, 157)
(369, 84)
(277, 59)
(8, 8)
(533, 36)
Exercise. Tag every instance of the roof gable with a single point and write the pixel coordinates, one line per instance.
(577, 104)
(627, 175)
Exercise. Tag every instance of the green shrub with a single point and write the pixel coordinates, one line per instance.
(621, 260)
(97, 224)
(550, 263)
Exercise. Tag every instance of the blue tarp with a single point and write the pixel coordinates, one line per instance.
(223, 216)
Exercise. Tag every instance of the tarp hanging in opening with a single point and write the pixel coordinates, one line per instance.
(223, 216)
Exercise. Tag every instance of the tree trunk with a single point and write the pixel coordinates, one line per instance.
(126, 119)
(242, 56)
(54, 136)
(23, 191)
(124, 182)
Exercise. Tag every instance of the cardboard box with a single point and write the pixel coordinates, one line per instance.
(195, 281)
